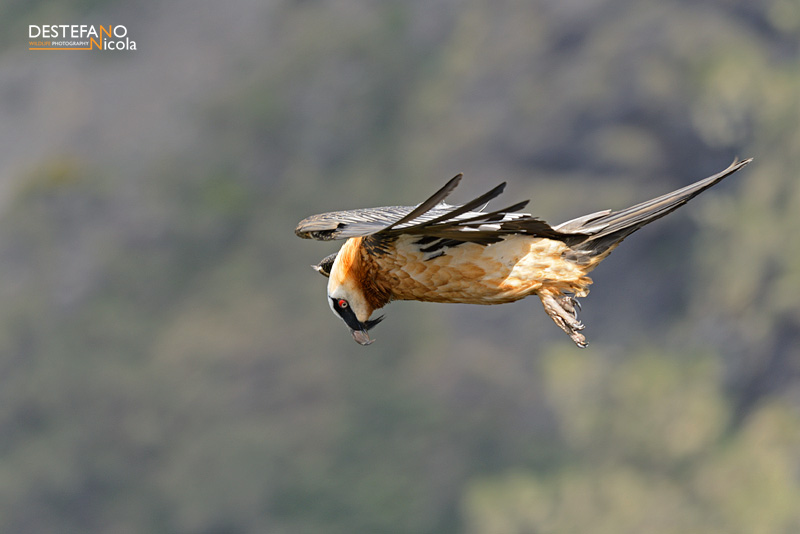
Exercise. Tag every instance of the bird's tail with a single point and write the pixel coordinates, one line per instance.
(594, 236)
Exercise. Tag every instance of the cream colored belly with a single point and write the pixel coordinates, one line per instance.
(476, 274)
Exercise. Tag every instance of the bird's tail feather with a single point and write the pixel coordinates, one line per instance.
(595, 235)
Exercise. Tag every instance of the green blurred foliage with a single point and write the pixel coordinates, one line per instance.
(648, 452)
(169, 364)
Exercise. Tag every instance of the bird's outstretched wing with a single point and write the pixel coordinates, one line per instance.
(431, 219)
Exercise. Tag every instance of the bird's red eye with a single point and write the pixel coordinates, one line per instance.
(342, 303)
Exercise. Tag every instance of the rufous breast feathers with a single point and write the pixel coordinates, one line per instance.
(471, 273)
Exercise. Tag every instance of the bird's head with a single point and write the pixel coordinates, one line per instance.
(346, 296)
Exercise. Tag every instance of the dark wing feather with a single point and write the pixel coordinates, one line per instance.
(429, 204)
(440, 225)
(351, 223)
(432, 218)
(594, 234)
(368, 221)
(473, 204)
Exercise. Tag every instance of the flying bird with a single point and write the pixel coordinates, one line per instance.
(437, 252)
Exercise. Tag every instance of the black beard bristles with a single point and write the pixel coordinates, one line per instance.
(371, 323)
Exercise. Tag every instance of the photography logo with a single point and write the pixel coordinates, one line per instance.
(79, 37)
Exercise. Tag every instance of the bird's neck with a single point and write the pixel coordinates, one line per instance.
(360, 267)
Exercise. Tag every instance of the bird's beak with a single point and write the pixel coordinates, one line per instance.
(361, 335)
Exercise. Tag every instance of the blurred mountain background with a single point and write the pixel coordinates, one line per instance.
(168, 363)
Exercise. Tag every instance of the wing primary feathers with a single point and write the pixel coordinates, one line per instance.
(437, 197)
(431, 217)
(455, 230)
(483, 199)
(362, 222)
(489, 216)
